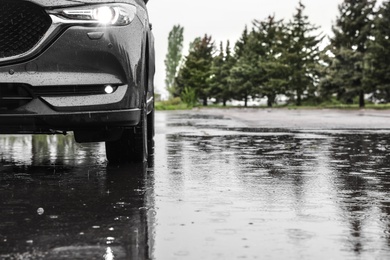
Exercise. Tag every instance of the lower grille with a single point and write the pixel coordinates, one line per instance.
(13, 96)
(75, 90)
(22, 25)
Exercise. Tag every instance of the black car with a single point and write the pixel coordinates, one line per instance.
(84, 66)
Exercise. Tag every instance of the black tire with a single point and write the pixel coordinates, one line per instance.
(133, 144)
(151, 133)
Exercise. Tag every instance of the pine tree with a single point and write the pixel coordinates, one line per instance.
(377, 62)
(265, 42)
(302, 56)
(196, 71)
(240, 44)
(227, 92)
(219, 82)
(216, 79)
(173, 57)
(352, 33)
(243, 72)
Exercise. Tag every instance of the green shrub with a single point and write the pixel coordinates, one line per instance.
(189, 97)
(171, 104)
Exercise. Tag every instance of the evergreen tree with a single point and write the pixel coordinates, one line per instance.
(219, 82)
(377, 62)
(244, 71)
(241, 78)
(266, 43)
(173, 57)
(227, 92)
(302, 56)
(352, 33)
(196, 71)
(240, 44)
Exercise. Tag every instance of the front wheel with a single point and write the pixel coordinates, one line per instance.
(133, 144)
(151, 132)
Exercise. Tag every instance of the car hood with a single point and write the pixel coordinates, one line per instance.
(62, 3)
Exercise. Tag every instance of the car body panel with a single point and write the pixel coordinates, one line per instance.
(66, 3)
(79, 56)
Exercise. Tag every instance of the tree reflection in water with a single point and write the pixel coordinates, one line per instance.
(319, 191)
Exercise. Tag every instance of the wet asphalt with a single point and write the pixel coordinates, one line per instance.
(223, 184)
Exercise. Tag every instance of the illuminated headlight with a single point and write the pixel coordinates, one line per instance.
(105, 15)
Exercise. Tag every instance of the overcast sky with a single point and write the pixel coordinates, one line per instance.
(225, 20)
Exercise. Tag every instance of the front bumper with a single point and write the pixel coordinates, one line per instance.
(74, 59)
(61, 122)
(77, 56)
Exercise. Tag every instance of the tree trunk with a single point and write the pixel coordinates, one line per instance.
(362, 103)
(270, 100)
(299, 99)
(224, 102)
(205, 101)
(387, 98)
(246, 101)
(269, 103)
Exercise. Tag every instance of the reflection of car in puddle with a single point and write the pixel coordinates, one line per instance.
(79, 66)
(83, 211)
(109, 255)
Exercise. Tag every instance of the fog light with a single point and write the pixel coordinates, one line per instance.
(108, 89)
